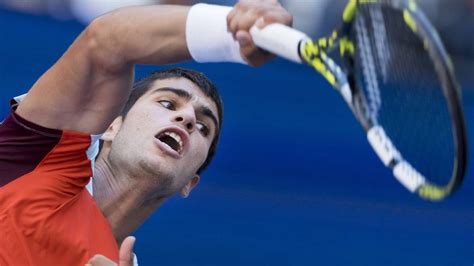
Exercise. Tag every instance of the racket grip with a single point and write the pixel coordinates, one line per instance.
(280, 40)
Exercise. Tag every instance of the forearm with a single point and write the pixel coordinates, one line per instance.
(140, 35)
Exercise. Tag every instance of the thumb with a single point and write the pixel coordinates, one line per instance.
(126, 251)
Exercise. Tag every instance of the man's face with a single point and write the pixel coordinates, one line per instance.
(165, 136)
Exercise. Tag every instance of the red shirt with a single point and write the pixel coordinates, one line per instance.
(47, 217)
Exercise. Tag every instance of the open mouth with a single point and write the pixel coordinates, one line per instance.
(171, 139)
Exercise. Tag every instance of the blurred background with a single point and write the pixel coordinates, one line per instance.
(294, 182)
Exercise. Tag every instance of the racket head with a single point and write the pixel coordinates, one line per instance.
(403, 91)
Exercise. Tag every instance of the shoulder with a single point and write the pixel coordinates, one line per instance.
(25, 146)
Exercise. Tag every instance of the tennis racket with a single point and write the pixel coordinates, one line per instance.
(391, 68)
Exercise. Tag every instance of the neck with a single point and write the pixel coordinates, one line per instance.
(122, 199)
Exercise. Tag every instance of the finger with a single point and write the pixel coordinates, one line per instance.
(252, 17)
(259, 58)
(244, 15)
(233, 26)
(235, 15)
(230, 17)
(277, 16)
(126, 251)
(247, 20)
(244, 38)
(255, 56)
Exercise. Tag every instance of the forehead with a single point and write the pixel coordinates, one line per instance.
(197, 95)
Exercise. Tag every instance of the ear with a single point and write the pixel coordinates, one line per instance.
(112, 130)
(189, 186)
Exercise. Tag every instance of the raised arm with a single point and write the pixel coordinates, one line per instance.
(88, 86)
(86, 89)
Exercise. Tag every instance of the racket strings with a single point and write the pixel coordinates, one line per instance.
(403, 90)
(371, 83)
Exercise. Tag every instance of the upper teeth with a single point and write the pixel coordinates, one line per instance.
(176, 137)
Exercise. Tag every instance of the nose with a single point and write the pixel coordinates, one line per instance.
(187, 118)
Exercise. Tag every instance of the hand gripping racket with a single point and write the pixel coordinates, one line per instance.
(391, 68)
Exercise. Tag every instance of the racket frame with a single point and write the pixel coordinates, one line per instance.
(298, 47)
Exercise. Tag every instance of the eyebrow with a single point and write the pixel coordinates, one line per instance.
(206, 111)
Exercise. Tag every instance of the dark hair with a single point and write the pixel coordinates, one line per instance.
(198, 78)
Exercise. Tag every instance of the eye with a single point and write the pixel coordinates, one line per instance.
(167, 104)
(203, 129)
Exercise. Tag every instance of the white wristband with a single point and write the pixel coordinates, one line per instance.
(207, 37)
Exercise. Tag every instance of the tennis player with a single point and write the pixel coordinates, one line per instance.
(156, 147)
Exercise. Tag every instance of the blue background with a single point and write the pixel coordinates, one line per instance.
(294, 182)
